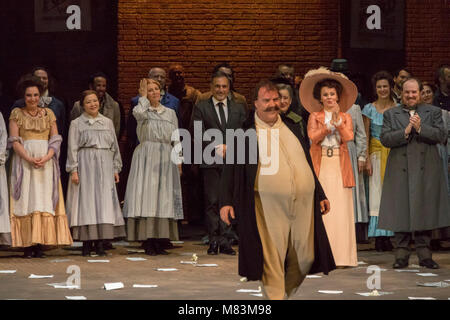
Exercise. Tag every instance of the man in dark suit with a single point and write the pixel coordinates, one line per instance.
(219, 112)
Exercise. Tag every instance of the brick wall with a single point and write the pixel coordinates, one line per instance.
(427, 43)
(254, 35)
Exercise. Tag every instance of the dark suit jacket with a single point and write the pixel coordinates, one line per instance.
(205, 112)
(238, 190)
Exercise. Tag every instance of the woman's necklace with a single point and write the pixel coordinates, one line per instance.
(31, 113)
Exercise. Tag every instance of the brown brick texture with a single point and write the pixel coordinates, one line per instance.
(253, 35)
(427, 40)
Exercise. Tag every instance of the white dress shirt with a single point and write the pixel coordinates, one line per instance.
(225, 108)
(332, 140)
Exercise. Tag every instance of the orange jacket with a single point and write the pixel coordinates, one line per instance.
(317, 131)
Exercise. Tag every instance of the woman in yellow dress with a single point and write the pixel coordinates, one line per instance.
(37, 209)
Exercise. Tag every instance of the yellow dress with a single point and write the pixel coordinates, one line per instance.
(34, 220)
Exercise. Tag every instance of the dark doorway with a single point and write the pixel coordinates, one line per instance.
(364, 62)
(70, 56)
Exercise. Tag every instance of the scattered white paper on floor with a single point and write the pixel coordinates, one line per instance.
(36, 276)
(207, 265)
(331, 291)
(407, 270)
(61, 260)
(136, 250)
(421, 298)
(120, 243)
(145, 286)
(427, 274)
(76, 298)
(256, 294)
(187, 253)
(8, 271)
(113, 286)
(166, 269)
(447, 280)
(101, 261)
(249, 290)
(136, 259)
(374, 293)
(244, 279)
(63, 286)
(77, 244)
(361, 263)
(188, 262)
(177, 242)
(440, 284)
(313, 276)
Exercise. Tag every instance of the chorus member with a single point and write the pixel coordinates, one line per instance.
(37, 210)
(382, 83)
(328, 96)
(427, 96)
(218, 113)
(94, 164)
(358, 152)
(5, 227)
(153, 202)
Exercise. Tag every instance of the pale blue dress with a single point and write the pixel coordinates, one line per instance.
(376, 124)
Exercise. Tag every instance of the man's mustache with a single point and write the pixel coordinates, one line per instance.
(270, 109)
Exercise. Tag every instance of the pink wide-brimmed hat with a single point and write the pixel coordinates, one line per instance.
(346, 100)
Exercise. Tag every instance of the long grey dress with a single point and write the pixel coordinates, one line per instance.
(357, 150)
(153, 196)
(92, 206)
(5, 228)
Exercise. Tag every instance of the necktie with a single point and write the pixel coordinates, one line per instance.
(223, 121)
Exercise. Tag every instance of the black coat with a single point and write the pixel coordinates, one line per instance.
(237, 186)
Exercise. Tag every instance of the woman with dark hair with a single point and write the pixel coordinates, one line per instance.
(37, 209)
(94, 164)
(327, 96)
(287, 108)
(382, 83)
(153, 202)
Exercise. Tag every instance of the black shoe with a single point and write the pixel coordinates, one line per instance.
(387, 244)
(86, 251)
(165, 243)
(429, 263)
(400, 263)
(213, 248)
(38, 253)
(107, 245)
(149, 248)
(435, 245)
(379, 244)
(99, 248)
(227, 249)
(28, 252)
(159, 248)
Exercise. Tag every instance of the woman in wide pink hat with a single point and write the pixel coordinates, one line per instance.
(327, 96)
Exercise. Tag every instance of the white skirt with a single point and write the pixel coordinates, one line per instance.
(37, 184)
